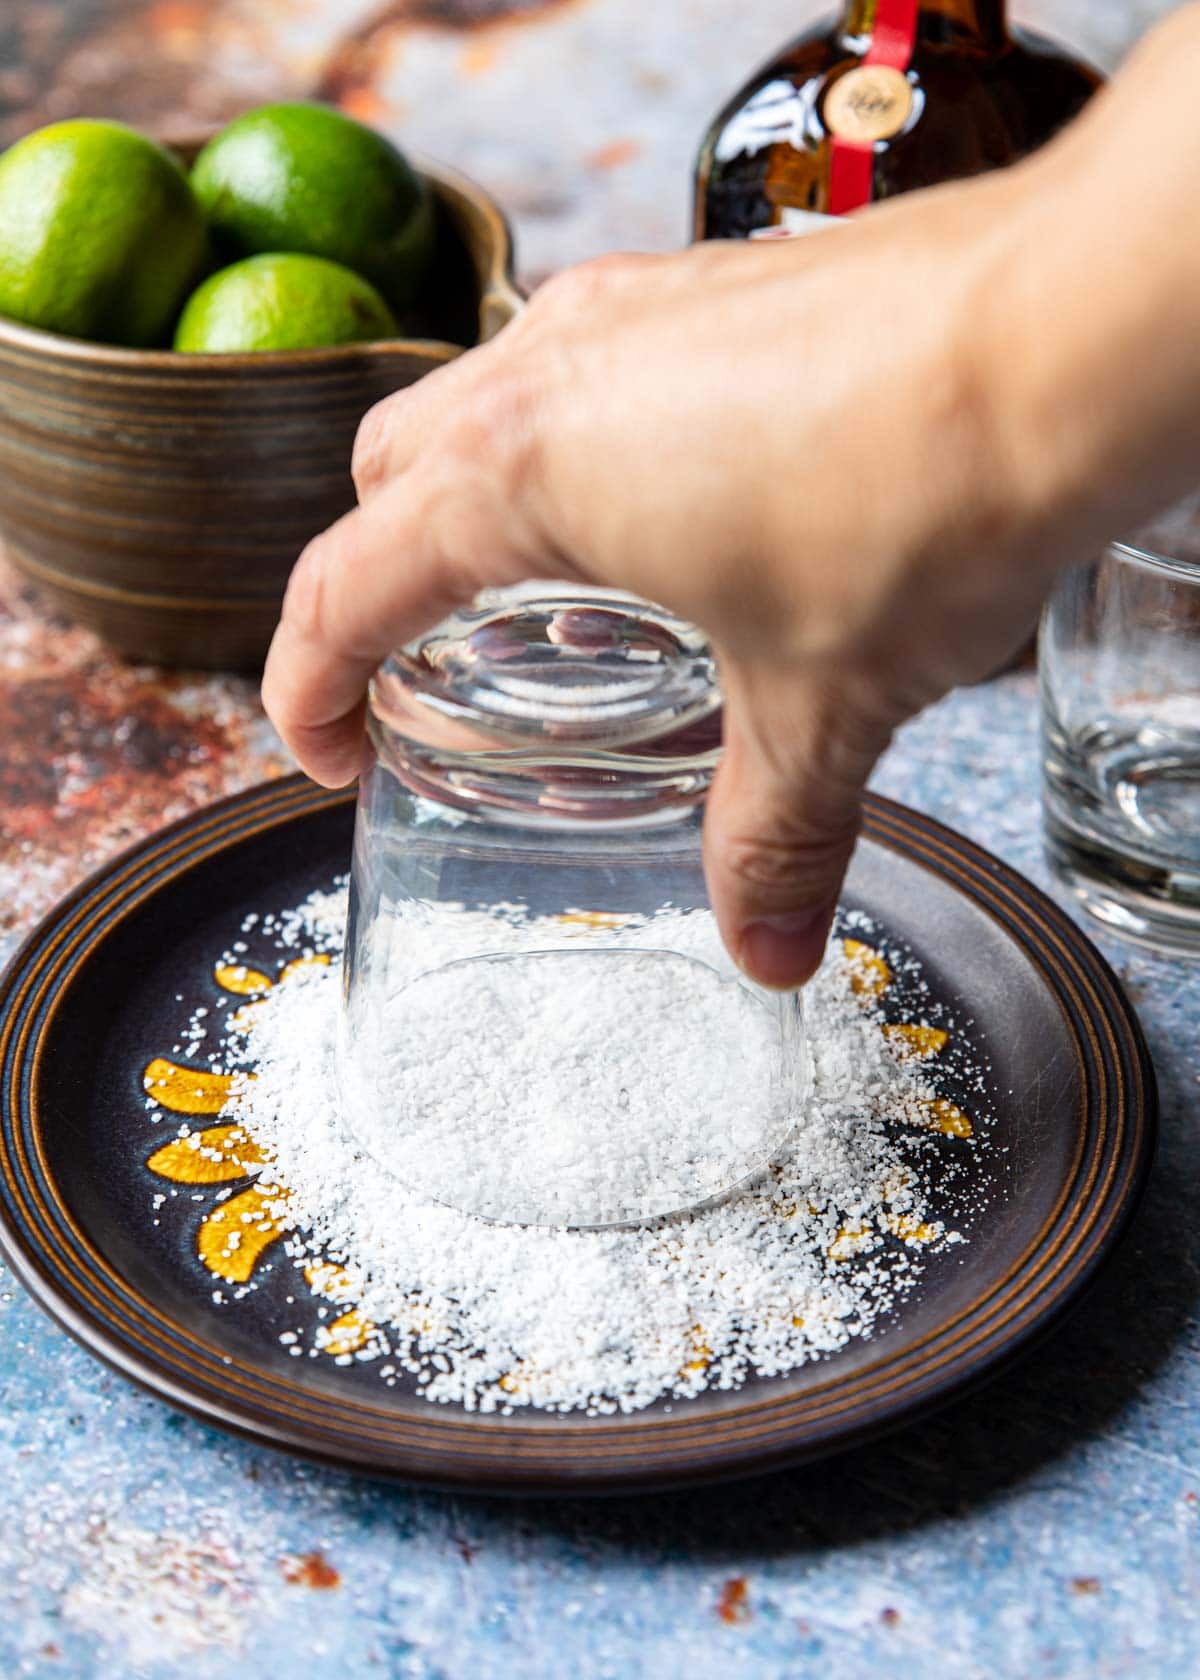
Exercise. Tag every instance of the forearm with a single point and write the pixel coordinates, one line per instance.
(1092, 326)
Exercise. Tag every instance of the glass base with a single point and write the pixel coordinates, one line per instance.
(1143, 900)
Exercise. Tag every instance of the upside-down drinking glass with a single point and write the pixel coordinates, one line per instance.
(540, 1025)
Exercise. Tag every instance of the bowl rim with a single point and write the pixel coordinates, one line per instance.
(497, 283)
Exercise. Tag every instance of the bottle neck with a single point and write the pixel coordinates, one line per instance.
(978, 22)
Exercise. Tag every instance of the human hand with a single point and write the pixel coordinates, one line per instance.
(816, 450)
(742, 434)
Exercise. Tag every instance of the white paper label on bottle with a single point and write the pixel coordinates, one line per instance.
(794, 224)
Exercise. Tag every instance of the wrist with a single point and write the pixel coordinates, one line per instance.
(1090, 347)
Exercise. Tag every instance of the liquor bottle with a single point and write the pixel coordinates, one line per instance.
(896, 94)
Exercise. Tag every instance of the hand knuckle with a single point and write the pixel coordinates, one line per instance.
(499, 441)
(610, 267)
(370, 446)
(562, 293)
(587, 283)
(495, 405)
(305, 599)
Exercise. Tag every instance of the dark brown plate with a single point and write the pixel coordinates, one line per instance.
(92, 997)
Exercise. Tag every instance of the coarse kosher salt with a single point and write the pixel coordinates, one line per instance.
(629, 1077)
(813, 1253)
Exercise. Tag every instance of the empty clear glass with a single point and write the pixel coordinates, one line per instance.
(1120, 675)
(540, 1023)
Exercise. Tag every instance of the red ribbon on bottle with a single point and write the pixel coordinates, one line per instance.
(852, 162)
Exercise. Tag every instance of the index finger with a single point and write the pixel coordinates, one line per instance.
(368, 584)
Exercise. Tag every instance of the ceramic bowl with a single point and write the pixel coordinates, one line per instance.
(162, 499)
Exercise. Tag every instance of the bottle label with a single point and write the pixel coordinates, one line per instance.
(870, 103)
(795, 223)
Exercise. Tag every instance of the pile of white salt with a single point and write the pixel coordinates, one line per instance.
(819, 1249)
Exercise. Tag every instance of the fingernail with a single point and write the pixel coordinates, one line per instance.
(783, 951)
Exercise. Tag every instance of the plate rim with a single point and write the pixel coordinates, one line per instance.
(485, 1453)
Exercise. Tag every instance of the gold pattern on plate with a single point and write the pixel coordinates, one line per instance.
(941, 1115)
(235, 1235)
(302, 965)
(217, 1155)
(346, 1335)
(598, 921)
(910, 1229)
(240, 980)
(186, 1090)
(333, 1282)
(915, 1043)
(870, 976)
(701, 1352)
(851, 1241)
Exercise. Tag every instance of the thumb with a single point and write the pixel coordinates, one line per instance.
(781, 821)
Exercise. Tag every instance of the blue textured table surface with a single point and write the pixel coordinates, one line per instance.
(1047, 1526)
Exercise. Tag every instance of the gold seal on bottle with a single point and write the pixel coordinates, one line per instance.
(870, 103)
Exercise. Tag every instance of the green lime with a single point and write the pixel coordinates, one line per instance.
(100, 233)
(281, 301)
(306, 178)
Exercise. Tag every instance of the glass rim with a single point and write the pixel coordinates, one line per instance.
(1154, 559)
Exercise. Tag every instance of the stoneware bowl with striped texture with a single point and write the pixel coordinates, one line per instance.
(162, 499)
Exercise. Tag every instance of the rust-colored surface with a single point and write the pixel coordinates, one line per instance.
(160, 62)
(95, 753)
(166, 61)
(733, 1602)
(312, 1569)
(354, 70)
